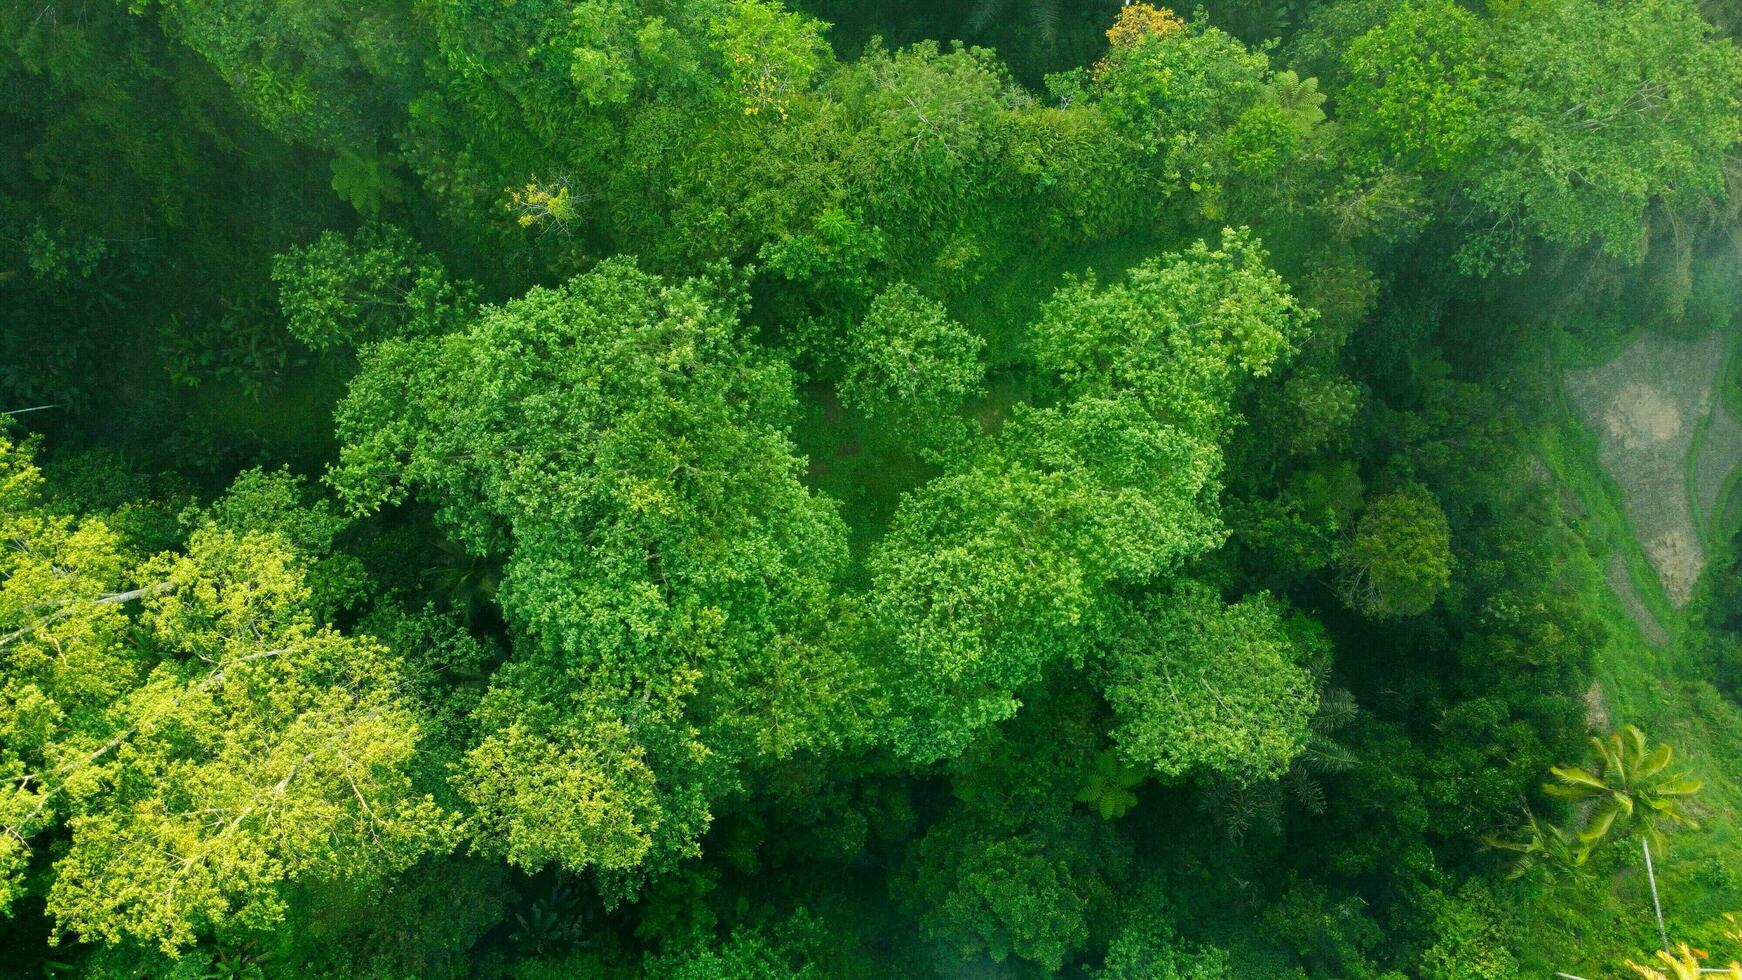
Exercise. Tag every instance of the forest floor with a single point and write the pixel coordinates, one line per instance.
(1647, 452)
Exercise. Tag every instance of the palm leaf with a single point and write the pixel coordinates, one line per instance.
(1575, 776)
(1638, 738)
(1599, 827)
(1615, 758)
(1654, 763)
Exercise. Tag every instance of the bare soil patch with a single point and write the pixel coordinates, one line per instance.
(1596, 708)
(1645, 407)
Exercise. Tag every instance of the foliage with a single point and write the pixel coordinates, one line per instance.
(340, 292)
(1683, 964)
(737, 488)
(1632, 787)
(1560, 118)
(910, 368)
(1200, 688)
(993, 575)
(621, 419)
(1399, 558)
(222, 746)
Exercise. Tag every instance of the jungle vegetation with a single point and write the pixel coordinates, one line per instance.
(730, 489)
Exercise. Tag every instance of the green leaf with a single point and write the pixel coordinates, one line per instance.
(1654, 763)
(1578, 777)
(1599, 827)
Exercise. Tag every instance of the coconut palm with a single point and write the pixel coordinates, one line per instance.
(1683, 964)
(1632, 788)
(1543, 846)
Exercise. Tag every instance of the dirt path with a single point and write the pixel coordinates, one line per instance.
(1645, 407)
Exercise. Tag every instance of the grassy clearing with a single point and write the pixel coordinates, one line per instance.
(1590, 927)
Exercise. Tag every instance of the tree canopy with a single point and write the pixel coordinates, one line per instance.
(825, 488)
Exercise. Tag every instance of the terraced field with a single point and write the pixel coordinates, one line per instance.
(1647, 464)
(1646, 407)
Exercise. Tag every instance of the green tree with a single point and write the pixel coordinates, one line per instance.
(344, 291)
(1175, 91)
(204, 755)
(911, 369)
(667, 578)
(1631, 786)
(1399, 558)
(1417, 85)
(1015, 867)
(1565, 119)
(1607, 108)
(1203, 688)
(770, 54)
(995, 574)
(1147, 947)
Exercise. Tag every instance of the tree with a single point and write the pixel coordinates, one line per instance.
(204, 756)
(1202, 688)
(1009, 896)
(1632, 789)
(926, 156)
(910, 368)
(1179, 333)
(770, 54)
(278, 502)
(1543, 846)
(667, 578)
(1565, 119)
(1146, 946)
(321, 73)
(1015, 867)
(1417, 85)
(1606, 108)
(1175, 91)
(348, 291)
(994, 575)
(1399, 559)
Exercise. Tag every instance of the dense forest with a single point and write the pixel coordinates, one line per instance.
(870, 488)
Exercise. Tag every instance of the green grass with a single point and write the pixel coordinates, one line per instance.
(1589, 928)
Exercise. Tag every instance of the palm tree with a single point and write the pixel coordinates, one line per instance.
(1544, 846)
(1106, 783)
(1684, 964)
(1631, 788)
(1043, 16)
(1237, 807)
(463, 582)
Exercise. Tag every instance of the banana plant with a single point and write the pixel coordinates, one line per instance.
(1632, 787)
